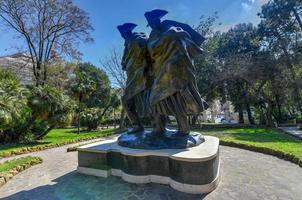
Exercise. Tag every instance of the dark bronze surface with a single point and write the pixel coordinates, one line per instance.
(171, 139)
(161, 81)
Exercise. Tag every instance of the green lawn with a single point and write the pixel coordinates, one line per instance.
(11, 164)
(258, 138)
(54, 138)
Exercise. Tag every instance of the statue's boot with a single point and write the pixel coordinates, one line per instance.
(183, 124)
(137, 129)
(133, 117)
(159, 126)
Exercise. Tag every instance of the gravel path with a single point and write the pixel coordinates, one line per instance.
(244, 175)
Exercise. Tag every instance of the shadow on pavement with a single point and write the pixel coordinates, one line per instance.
(74, 186)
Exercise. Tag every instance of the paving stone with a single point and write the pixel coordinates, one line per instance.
(244, 175)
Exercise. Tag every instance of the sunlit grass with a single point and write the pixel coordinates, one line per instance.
(11, 164)
(259, 137)
(55, 137)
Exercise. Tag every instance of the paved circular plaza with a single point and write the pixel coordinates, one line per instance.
(244, 175)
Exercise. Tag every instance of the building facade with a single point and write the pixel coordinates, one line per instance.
(20, 65)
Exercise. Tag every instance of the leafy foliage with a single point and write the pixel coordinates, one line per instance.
(91, 84)
(13, 104)
(257, 68)
(31, 110)
(91, 118)
(48, 103)
(91, 87)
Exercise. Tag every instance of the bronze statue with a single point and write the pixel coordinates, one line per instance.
(161, 80)
(172, 47)
(135, 62)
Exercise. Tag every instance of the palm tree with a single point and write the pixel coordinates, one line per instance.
(13, 106)
(82, 87)
(50, 105)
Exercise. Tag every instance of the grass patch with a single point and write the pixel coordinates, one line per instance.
(14, 163)
(263, 140)
(10, 168)
(55, 138)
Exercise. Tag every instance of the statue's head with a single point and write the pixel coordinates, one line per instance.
(153, 17)
(126, 29)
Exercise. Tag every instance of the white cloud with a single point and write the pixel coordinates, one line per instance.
(246, 6)
(263, 1)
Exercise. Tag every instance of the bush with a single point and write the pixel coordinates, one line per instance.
(299, 119)
(49, 108)
(14, 112)
(68, 121)
(28, 113)
(91, 118)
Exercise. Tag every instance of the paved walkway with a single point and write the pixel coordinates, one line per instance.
(293, 130)
(62, 148)
(245, 175)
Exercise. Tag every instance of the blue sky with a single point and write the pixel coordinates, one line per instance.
(107, 14)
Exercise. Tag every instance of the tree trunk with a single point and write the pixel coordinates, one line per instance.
(38, 74)
(279, 116)
(269, 121)
(240, 111)
(194, 119)
(122, 119)
(44, 73)
(79, 121)
(114, 118)
(262, 118)
(79, 112)
(39, 137)
(249, 114)
(104, 112)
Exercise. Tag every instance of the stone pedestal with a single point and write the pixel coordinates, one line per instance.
(192, 170)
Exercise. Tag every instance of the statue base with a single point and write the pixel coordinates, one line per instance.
(170, 140)
(193, 170)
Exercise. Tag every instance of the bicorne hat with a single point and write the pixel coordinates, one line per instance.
(126, 27)
(155, 14)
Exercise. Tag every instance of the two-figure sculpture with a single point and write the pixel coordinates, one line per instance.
(161, 82)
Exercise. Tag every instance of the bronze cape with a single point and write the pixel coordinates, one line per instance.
(174, 87)
(135, 62)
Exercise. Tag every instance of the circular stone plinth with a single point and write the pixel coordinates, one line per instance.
(170, 140)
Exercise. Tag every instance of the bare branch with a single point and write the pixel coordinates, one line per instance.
(112, 66)
(46, 26)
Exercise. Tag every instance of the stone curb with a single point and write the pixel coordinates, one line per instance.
(6, 176)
